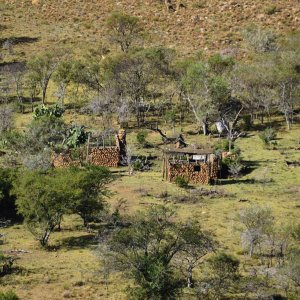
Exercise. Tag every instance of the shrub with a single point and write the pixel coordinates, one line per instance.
(235, 168)
(137, 165)
(141, 138)
(181, 182)
(49, 111)
(268, 136)
(271, 10)
(223, 145)
(6, 264)
(10, 295)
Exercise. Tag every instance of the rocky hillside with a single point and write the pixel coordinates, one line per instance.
(198, 24)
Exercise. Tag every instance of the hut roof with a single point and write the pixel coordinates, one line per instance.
(187, 150)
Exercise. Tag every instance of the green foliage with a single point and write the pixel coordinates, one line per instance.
(219, 64)
(137, 165)
(43, 198)
(41, 69)
(260, 40)
(222, 145)
(271, 10)
(181, 182)
(6, 264)
(124, 30)
(224, 265)
(90, 186)
(258, 221)
(235, 168)
(141, 138)
(42, 110)
(76, 136)
(44, 132)
(171, 116)
(10, 295)
(146, 250)
(247, 122)
(268, 135)
(7, 200)
(224, 270)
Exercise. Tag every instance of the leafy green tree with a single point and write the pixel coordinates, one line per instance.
(150, 249)
(124, 30)
(42, 199)
(287, 80)
(223, 275)
(205, 92)
(44, 132)
(63, 77)
(41, 69)
(90, 184)
(131, 77)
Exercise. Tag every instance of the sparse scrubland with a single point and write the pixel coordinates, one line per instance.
(74, 72)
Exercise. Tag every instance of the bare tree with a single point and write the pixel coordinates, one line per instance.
(5, 119)
(257, 221)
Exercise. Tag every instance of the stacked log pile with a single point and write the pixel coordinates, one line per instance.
(106, 157)
(64, 160)
(208, 171)
(214, 169)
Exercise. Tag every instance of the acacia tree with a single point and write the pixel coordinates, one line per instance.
(287, 79)
(205, 92)
(90, 184)
(147, 249)
(42, 199)
(62, 77)
(248, 85)
(221, 279)
(42, 68)
(132, 76)
(124, 30)
(198, 245)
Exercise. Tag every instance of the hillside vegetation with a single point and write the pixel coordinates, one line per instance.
(100, 101)
(200, 25)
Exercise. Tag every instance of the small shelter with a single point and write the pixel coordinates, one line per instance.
(107, 149)
(198, 166)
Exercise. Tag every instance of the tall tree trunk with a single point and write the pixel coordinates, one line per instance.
(288, 120)
(44, 96)
(205, 128)
(190, 277)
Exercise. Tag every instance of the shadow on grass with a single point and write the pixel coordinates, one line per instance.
(250, 166)
(79, 242)
(235, 181)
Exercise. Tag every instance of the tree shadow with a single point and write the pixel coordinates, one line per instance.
(236, 181)
(20, 40)
(250, 166)
(79, 242)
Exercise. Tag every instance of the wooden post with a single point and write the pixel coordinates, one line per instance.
(88, 148)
